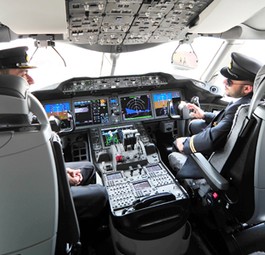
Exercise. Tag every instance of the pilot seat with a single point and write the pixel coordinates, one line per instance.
(31, 197)
(231, 194)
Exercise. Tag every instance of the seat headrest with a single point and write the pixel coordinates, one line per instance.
(258, 90)
(13, 95)
(13, 86)
(259, 78)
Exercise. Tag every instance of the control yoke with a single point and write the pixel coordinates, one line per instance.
(177, 110)
(62, 126)
(195, 100)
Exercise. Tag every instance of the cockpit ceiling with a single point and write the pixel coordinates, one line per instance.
(126, 25)
(131, 22)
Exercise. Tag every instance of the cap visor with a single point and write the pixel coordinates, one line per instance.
(26, 67)
(227, 75)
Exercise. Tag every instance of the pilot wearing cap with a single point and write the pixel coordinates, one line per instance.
(14, 61)
(90, 199)
(240, 76)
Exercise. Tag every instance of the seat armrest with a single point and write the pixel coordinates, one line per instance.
(212, 176)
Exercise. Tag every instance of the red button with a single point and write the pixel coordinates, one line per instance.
(118, 158)
(215, 195)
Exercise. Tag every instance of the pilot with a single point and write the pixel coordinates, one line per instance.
(240, 76)
(90, 199)
(14, 61)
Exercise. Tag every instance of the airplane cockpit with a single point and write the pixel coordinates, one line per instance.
(112, 82)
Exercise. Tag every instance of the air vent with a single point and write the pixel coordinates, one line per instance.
(214, 89)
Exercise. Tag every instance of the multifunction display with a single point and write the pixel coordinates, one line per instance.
(58, 109)
(114, 109)
(136, 107)
(90, 112)
(113, 135)
(160, 101)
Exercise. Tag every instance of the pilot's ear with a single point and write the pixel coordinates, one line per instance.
(248, 89)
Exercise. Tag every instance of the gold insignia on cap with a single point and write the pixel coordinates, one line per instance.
(27, 58)
(230, 65)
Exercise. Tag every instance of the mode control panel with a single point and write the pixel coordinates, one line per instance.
(127, 188)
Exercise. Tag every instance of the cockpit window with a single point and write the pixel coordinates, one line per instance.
(81, 62)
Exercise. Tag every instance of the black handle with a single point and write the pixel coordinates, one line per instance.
(154, 199)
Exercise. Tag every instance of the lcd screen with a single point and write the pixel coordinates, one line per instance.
(111, 136)
(114, 176)
(153, 168)
(141, 185)
(90, 112)
(136, 107)
(160, 101)
(58, 109)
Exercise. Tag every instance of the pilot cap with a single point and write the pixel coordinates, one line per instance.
(15, 58)
(241, 68)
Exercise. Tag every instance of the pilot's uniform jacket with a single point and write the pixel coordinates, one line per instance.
(214, 135)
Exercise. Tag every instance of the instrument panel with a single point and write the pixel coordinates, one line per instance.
(114, 109)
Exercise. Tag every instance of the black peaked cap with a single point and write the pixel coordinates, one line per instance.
(241, 68)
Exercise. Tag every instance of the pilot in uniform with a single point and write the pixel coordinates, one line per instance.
(240, 76)
(90, 199)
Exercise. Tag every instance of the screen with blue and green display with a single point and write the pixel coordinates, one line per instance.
(160, 101)
(57, 109)
(113, 135)
(136, 107)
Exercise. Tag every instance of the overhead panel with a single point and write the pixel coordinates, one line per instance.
(112, 22)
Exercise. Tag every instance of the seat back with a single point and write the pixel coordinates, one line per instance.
(28, 183)
(241, 160)
(33, 182)
(68, 236)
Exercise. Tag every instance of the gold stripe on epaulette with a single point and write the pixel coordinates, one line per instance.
(215, 123)
(192, 147)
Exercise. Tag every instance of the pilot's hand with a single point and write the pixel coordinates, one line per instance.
(196, 112)
(179, 143)
(74, 175)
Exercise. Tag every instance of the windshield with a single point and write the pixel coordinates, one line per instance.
(82, 62)
(66, 61)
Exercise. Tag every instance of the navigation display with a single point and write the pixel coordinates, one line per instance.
(160, 101)
(90, 112)
(136, 107)
(57, 109)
